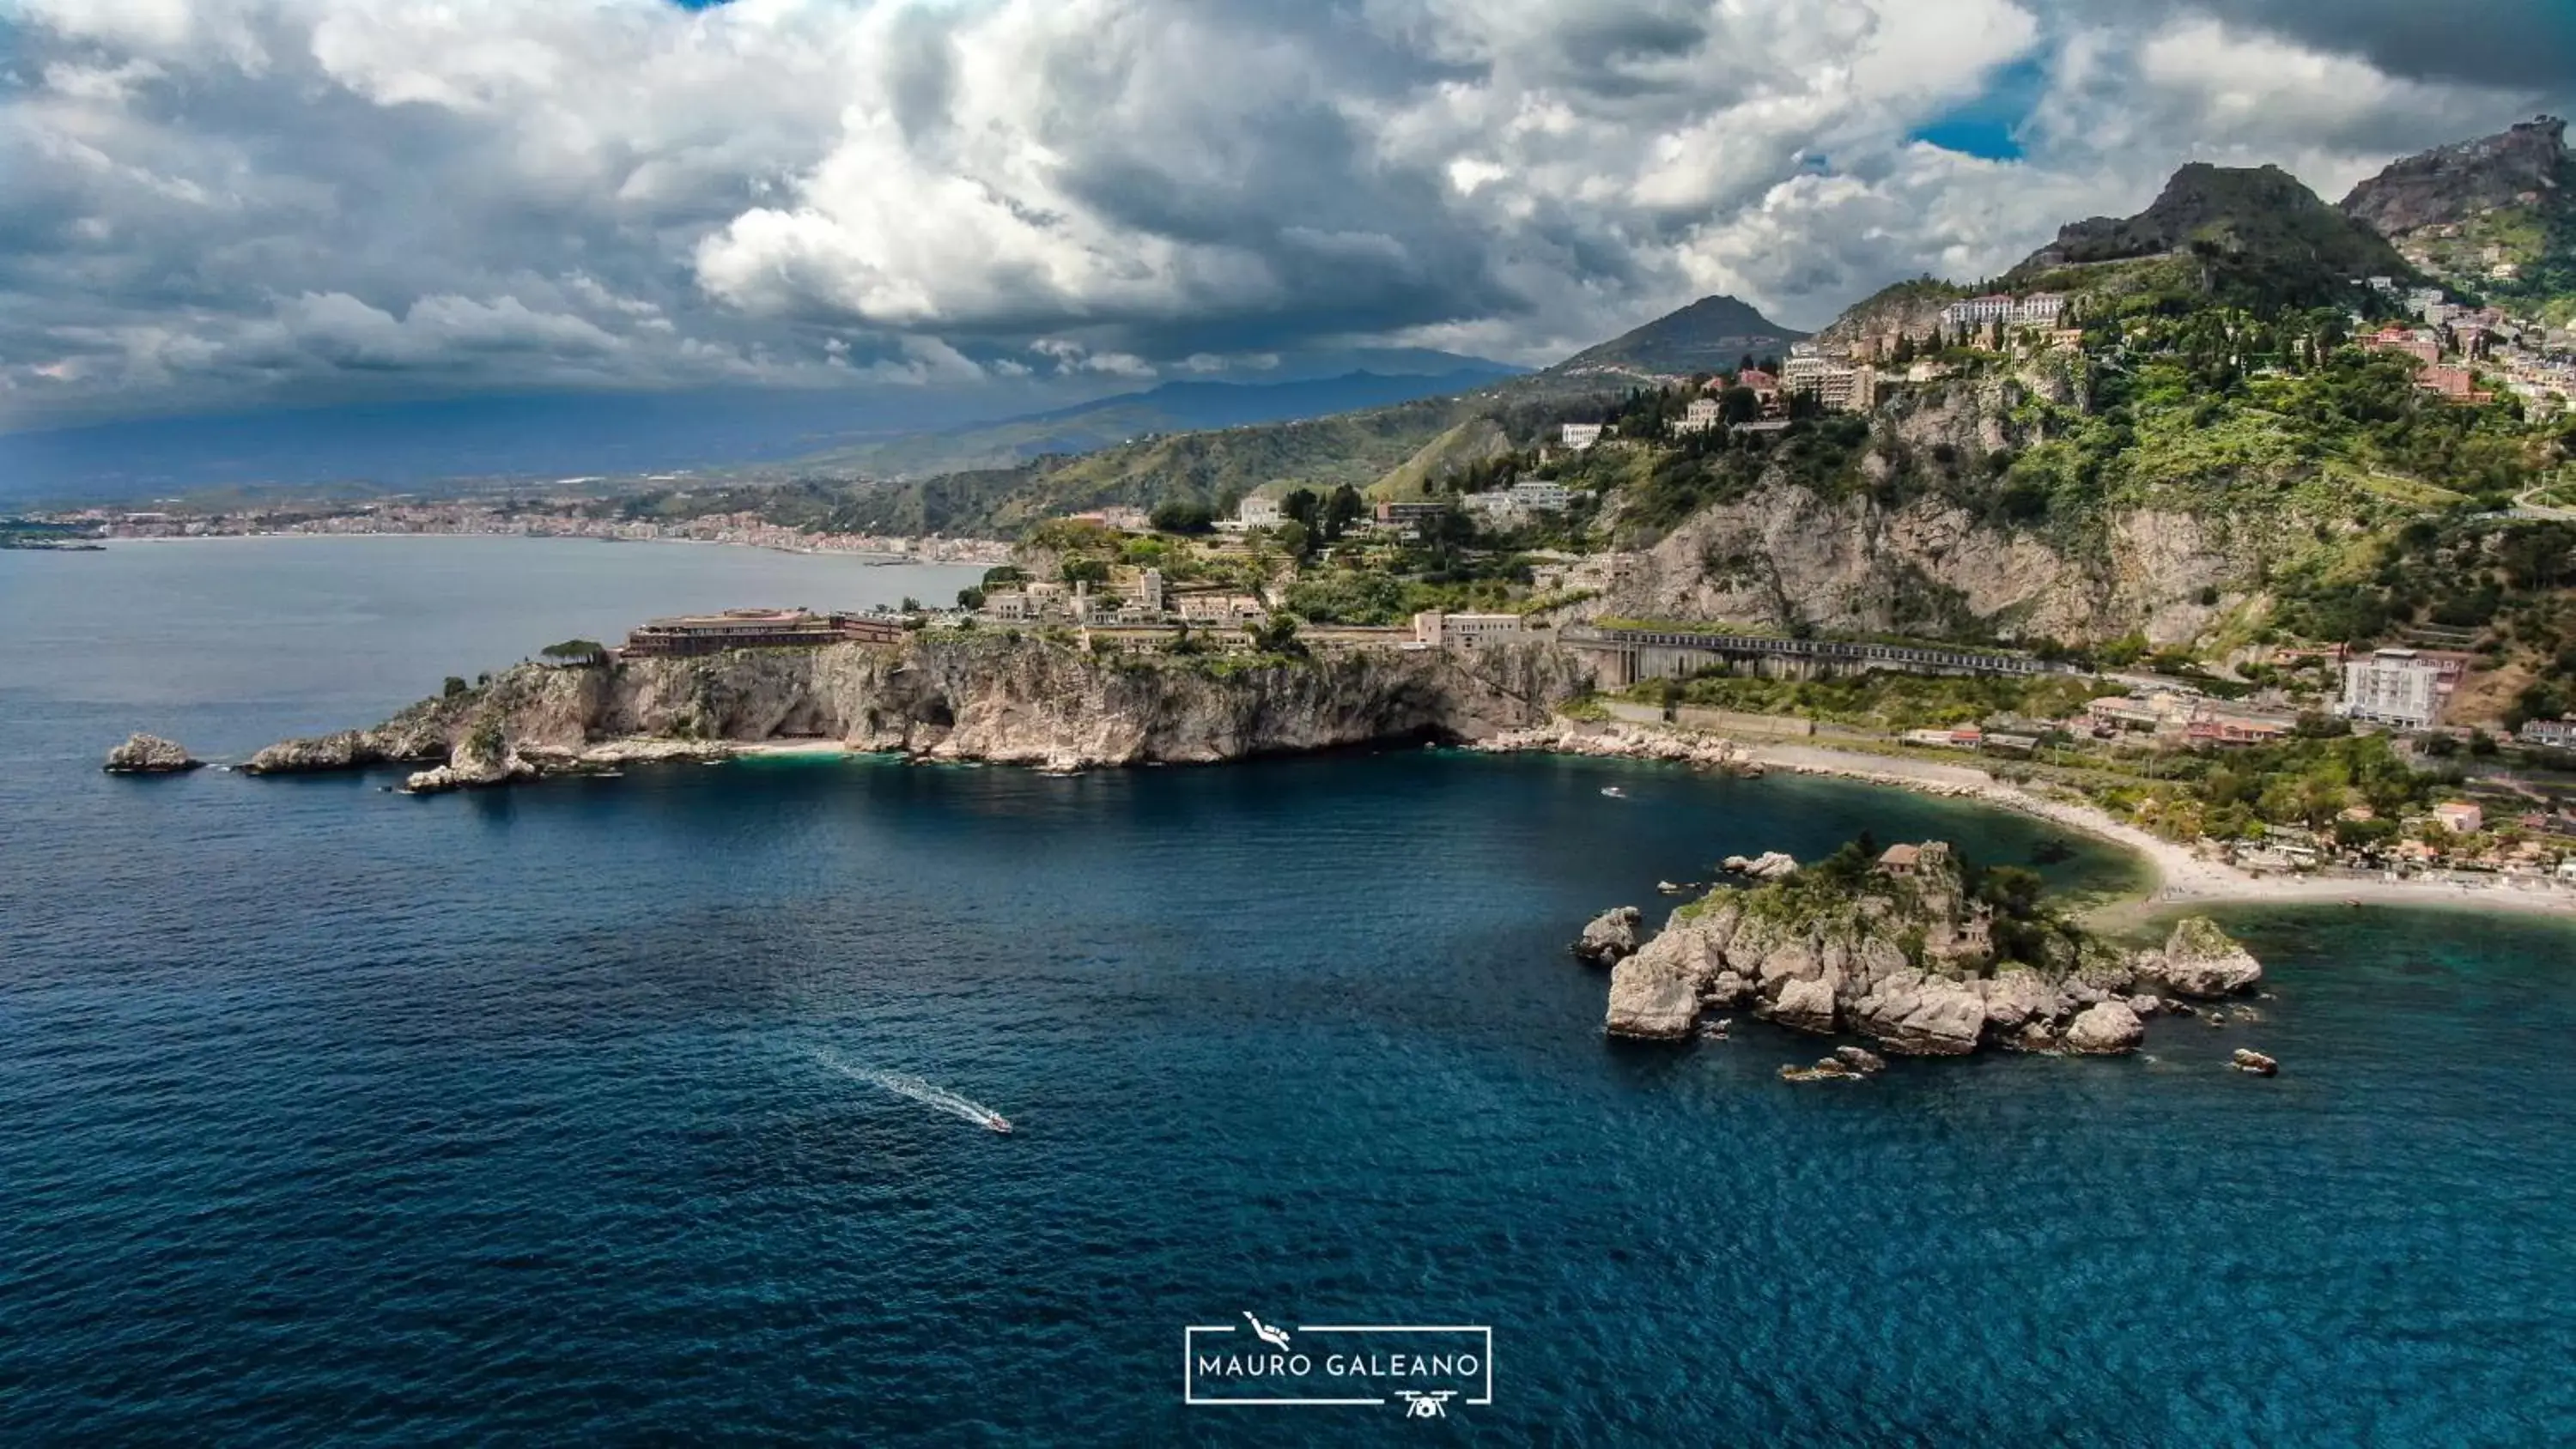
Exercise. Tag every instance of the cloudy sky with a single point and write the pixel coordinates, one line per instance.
(223, 204)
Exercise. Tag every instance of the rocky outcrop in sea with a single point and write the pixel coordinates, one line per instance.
(961, 696)
(1902, 951)
(149, 755)
(1609, 936)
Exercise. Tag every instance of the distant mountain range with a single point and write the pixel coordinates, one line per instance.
(1173, 407)
(368, 449)
(1394, 449)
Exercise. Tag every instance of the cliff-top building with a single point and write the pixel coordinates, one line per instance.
(690, 635)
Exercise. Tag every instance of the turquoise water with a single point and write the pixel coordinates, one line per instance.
(330, 1115)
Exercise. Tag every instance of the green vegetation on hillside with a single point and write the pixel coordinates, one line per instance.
(2255, 236)
(1885, 701)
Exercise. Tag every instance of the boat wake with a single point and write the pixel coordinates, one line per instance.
(952, 1103)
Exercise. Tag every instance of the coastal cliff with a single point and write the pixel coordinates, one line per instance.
(950, 696)
(1911, 951)
(1926, 526)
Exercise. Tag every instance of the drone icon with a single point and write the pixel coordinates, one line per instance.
(1420, 1405)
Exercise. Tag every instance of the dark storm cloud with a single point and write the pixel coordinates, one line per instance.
(217, 202)
(2527, 44)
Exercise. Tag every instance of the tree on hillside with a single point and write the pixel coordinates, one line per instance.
(1178, 516)
(1342, 510)
(576, 652)
(1277, 635)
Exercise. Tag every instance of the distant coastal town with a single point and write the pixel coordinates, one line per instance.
(550, 519)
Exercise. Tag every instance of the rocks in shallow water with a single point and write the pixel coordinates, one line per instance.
(149, 755)
(2254, 1062)
(1807, 1005)
(1653, 993)
(2037, 1036)
(1899, 950)
(475, 764)
(2105, 1028)
(2015, 994)
(347, 750)
(1826, 1069)
(1923, 1015)
(2199, 959)
(1769, 865)
(1860, 1059)
(1610, 936)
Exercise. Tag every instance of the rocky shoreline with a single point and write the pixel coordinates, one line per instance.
(990, 698)
(1563, 736)
(1904, 951)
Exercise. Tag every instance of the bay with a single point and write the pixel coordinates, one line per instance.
(331, 1115)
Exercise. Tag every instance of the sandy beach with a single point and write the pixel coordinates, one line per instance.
(2183, 877)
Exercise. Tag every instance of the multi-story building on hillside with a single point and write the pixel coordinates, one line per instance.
(2392, 686)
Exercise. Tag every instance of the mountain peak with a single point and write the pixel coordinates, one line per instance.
(2451, 184)
(2252, 230)
(1710, 335)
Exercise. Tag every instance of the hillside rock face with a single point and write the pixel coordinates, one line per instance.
(1907, 960)
(957, 697)
(1852, 560)
(2450, 184)
(2261, 210)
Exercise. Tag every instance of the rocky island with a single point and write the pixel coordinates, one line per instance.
(1915, 949)
(149, 755)
(951, 695)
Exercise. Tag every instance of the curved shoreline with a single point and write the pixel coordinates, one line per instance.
(2182, 877)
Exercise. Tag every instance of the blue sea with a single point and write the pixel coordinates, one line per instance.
(555, 1116)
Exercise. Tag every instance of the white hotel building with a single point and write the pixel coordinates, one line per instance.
(2392, 686)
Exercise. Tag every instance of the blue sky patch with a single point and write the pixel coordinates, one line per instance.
(1988, 126)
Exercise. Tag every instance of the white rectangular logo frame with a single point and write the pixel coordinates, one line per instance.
(1189, 1361)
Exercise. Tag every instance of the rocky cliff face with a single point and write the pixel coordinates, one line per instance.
(2451, 184)
(1907, 960)
(959, 697)
(2260, 211)
(1874, 558)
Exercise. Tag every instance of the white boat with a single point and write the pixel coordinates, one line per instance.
(1614, 792)
(998, 1123)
